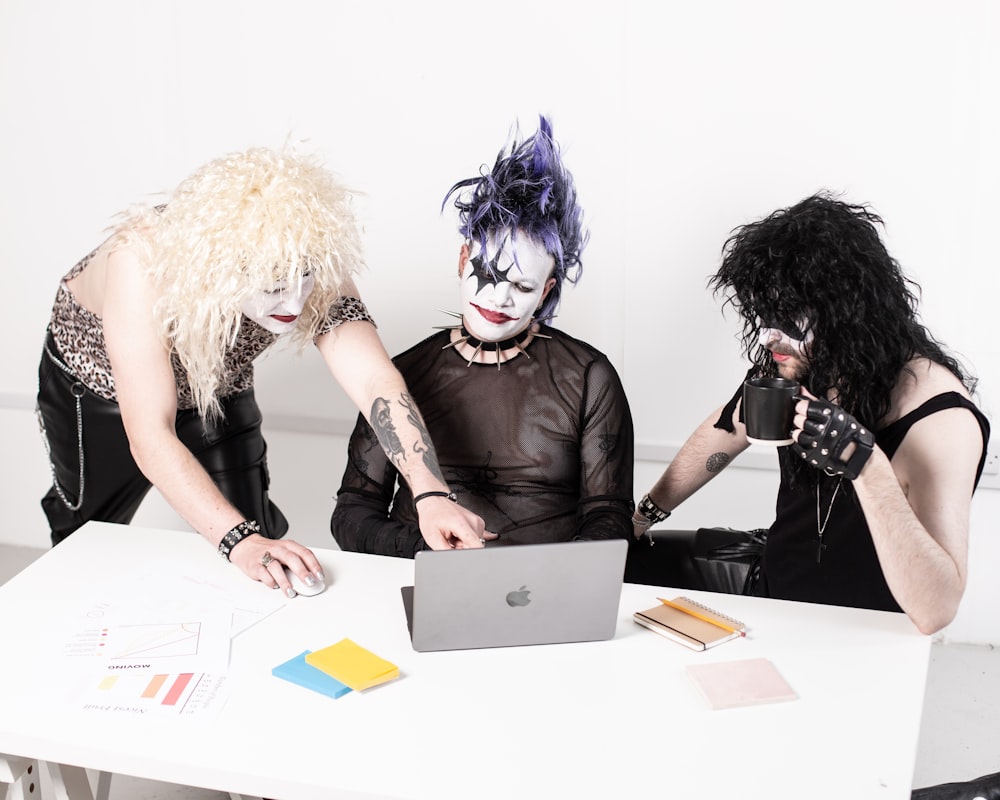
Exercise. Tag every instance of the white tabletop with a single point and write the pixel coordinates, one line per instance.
(616, 719)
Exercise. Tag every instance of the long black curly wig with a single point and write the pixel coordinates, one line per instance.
(824, 260)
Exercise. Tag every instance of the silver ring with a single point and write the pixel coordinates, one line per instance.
(482, 542)
(266, 559)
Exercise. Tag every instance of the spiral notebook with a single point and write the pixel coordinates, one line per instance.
(690, 623)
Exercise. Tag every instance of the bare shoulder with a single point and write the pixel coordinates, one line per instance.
(921, 380)
(940, 453)
(87, 286)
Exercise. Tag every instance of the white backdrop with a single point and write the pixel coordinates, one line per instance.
(679, 120)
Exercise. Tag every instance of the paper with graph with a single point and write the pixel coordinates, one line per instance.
(153, 694)
(169, 624)
(194, 642)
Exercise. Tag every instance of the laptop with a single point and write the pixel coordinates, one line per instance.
(515, 595)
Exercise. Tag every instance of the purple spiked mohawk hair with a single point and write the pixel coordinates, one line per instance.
(528, 192)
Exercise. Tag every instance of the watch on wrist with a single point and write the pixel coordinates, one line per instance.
(651, 511)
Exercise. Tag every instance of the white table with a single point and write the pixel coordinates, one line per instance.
(605, 719)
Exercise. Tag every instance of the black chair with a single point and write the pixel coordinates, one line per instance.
(664, 558)
(986, 787)
(708, 559)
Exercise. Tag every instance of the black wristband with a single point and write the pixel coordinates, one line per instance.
(450, 495)
(246, 528)
(652, 512)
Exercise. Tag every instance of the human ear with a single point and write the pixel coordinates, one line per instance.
(548, 288)
(463, 258)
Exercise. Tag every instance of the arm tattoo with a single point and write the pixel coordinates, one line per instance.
(608, 445)
(424, 445)
(717, 462)
(385, 432)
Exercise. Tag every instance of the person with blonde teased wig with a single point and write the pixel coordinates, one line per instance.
(146, 377)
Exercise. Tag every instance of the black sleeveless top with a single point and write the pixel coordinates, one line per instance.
(848, 574)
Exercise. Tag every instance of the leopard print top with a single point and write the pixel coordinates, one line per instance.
(79, 335)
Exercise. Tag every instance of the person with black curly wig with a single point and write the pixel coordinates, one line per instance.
(531, 426)
(875, 492)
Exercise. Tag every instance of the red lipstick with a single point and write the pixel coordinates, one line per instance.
(496, 317)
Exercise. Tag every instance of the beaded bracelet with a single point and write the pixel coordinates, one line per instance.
(246, 528)
(450, 495)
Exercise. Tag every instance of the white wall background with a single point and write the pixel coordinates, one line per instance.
(680, 121)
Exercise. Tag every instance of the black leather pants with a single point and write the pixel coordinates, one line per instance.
(232, 451)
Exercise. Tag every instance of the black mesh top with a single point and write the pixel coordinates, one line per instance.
(541, 449)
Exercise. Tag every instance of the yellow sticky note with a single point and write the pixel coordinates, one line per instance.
(352, 665)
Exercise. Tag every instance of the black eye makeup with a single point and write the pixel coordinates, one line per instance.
(791, 330)
(487, 276)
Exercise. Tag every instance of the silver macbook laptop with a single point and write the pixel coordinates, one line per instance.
(515, 595)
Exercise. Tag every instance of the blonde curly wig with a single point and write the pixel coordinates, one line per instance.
(240, 224)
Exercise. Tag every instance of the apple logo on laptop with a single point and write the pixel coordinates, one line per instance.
(519, 597)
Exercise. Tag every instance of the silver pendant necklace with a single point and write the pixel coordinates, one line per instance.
(821, 526)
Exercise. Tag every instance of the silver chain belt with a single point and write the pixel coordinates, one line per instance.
(78, 390)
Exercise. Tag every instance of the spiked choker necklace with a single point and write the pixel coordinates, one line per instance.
(505, 344)
(514, 342)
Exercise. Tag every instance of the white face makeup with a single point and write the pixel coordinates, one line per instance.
(775, 339)
(500, 306)
(278, 310)
(790, 351)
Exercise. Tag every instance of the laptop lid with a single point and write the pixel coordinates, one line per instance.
(516, 595)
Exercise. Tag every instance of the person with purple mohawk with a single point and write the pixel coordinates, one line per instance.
(532, 427)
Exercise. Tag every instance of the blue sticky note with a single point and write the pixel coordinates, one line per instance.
(296, 670)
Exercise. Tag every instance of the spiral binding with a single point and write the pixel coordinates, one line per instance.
(711, 611)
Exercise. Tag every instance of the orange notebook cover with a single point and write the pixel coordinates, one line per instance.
(748, 682)
(686, 622)
(353, 665)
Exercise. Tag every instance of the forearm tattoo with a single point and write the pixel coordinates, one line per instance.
(388, 438)
(385, 432)
(717, 462)
(423, 446)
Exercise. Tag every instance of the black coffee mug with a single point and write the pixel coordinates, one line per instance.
(768, 409)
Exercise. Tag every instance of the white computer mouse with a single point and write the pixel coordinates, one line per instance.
(300, 587)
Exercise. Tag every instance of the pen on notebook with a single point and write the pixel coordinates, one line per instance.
(703, 617)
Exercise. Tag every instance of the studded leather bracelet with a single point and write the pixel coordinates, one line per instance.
(246, 528)
(652, 512)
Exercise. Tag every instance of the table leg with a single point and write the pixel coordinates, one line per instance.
(73, 783)
(103, 786)
(19, 778)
